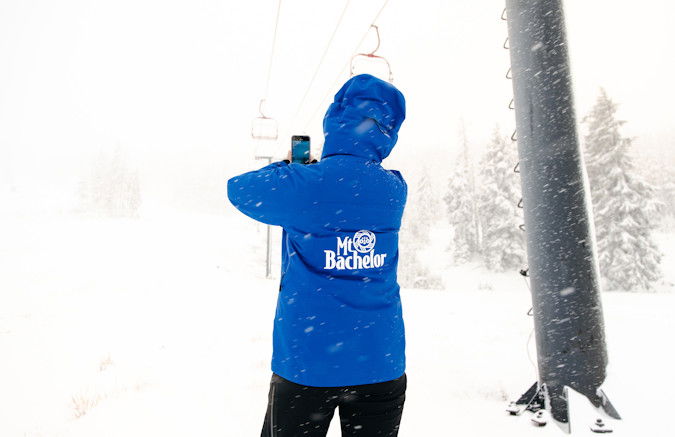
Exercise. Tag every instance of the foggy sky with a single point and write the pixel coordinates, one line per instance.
(180, 81)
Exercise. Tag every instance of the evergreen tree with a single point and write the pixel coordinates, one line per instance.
(426, 206)
(660, 174)
(623, 204)
(415, 237)
(461, 202)
(111, 188)
(503, 243)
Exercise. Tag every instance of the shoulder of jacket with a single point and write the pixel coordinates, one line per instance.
(397, 174)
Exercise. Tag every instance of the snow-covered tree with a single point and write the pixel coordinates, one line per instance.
(111, 187)
(420, 215)
(660, 174)
(503, 245)
(461, 202)
(426, 205)
(623, 203)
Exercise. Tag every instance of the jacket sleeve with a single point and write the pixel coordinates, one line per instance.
(269, 195)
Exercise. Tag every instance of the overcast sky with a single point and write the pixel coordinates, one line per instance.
(161, 77)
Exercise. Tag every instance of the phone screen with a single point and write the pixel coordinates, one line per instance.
(300, 149)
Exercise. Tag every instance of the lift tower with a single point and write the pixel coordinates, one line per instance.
(569, 326)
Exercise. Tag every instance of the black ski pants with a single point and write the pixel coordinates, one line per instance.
(365, 410)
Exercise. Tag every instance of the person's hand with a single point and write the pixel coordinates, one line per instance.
(289, 158)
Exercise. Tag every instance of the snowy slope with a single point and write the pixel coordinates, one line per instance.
(163, 327)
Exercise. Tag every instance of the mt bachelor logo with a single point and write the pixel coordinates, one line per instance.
(347, 256)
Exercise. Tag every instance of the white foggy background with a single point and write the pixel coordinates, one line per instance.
(175, 84)
(161, 326)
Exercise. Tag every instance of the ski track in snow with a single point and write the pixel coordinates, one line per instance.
(163, 327)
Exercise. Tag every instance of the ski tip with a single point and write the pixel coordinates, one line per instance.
(607, 407)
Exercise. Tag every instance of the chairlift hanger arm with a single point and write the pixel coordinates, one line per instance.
(377, 32)
(260, 108)
(372, 55)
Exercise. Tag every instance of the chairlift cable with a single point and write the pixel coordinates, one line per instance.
(339, 75)
(274, 46)
(323, 58)
(264, 127)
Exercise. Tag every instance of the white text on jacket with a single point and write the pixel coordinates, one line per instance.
(347, 255)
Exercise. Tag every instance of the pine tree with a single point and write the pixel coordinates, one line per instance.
(461, 202)
(111, 188)
(426, 206)
(503, 245)
(415, 236)
(623, 204)
(660, 174)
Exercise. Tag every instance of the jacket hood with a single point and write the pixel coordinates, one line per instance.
(364, 119)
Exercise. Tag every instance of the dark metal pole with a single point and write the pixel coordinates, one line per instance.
(568, 317)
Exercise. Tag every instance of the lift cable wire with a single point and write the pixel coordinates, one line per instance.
(323, 58)
(271, 61)
(339, 75)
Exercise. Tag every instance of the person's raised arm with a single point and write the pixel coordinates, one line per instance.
(268, 195)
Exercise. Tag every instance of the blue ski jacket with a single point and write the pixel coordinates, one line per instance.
(338, 319)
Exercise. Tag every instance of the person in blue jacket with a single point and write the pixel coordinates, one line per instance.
(338, 336)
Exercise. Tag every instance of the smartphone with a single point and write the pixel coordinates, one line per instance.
(300, 149)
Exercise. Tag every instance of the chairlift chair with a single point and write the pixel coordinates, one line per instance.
(263, 127)
(372, 55)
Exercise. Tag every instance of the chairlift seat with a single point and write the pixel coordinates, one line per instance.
(264, 128)
(371, 55)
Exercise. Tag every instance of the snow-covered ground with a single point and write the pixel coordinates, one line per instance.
(162, 327)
